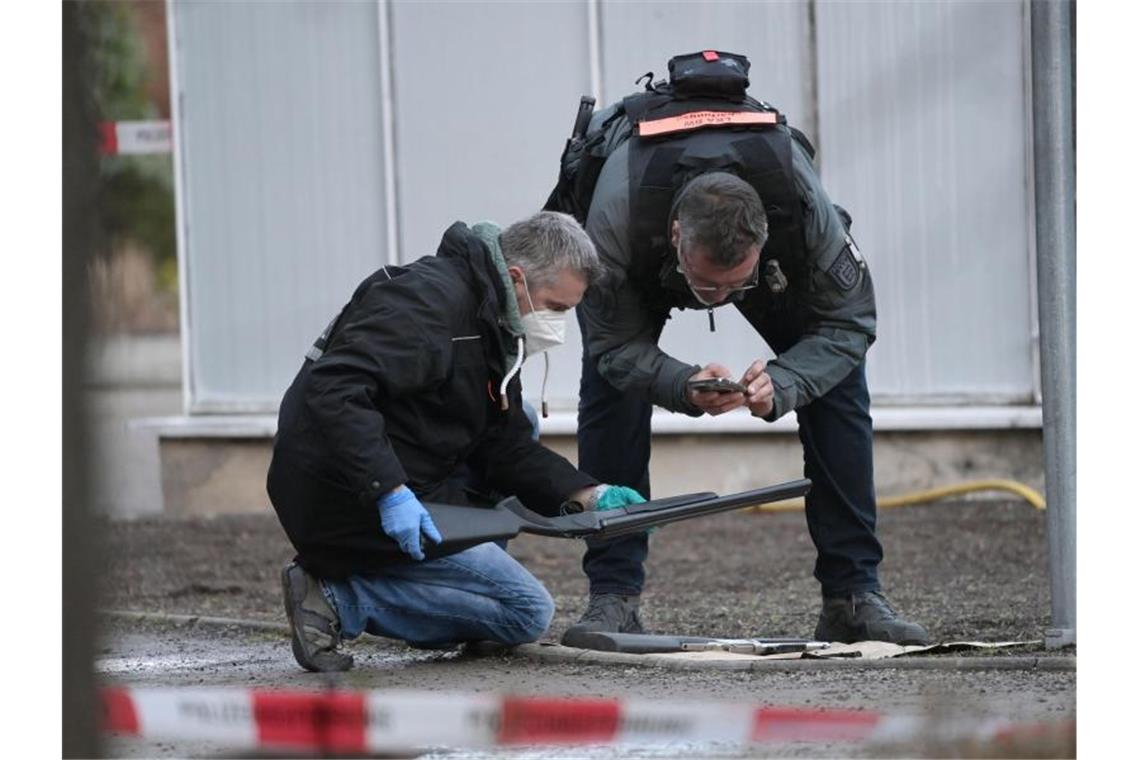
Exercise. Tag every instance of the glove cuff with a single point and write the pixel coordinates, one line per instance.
(401, 495)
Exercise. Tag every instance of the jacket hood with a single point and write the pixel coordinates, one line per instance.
(489, 232)
(480, 249)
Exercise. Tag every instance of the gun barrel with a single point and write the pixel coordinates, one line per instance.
(582, 120)
(624, 522)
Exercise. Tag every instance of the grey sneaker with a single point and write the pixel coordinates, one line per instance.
(866, 616)
(313, 623)
(612, 613)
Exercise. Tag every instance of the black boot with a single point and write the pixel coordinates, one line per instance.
(313, 622)
(611, 613)
(866, 616)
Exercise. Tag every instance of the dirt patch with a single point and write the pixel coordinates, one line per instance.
(965, 570)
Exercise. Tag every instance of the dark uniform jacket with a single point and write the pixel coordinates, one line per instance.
(407, 392)
(820, 329)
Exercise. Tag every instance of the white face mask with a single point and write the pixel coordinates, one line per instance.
(543, 329)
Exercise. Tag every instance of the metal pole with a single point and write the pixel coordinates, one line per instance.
(388, 129)
(80, 227)
(1051, 24)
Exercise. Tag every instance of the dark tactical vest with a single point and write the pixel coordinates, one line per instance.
(661, 164)
(702, 120)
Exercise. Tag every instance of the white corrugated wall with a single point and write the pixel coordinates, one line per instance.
(920, 111)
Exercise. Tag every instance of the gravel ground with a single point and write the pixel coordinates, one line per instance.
(966, 570)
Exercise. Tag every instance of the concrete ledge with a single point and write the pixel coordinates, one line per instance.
(565, 422)
(885, 418)
(558, 653)
(219, 465)
(211, 426)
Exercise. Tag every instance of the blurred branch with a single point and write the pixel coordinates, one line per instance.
(136, 192)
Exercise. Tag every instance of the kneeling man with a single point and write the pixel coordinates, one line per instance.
(412, 394)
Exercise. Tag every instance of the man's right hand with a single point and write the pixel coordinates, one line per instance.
(403, 517)
(713, 402)
(761, 392)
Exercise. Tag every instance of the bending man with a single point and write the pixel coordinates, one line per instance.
(677, 226)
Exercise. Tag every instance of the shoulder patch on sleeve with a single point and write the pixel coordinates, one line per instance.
(845, 270)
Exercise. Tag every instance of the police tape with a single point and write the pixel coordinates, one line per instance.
(376, 721)
(122, 138)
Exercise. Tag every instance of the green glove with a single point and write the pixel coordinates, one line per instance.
(616, 497)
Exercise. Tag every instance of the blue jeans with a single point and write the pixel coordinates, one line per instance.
(835, 430)
(480, 594)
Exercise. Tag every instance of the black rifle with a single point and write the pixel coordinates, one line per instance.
(650, 643)
(463, 526)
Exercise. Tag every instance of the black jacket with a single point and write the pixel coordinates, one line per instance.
(407, 392)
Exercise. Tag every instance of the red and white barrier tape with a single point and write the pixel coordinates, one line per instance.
(371, 721)
(121, 138)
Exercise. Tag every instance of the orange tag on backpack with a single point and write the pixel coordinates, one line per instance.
(700, 119)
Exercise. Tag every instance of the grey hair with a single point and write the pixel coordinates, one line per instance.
(547, 243)
(723, 214)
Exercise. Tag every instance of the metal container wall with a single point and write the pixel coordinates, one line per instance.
(925, 133)
(919, 110)
(282, 185)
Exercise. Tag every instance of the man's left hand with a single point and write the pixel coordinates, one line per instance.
(714, 402)
(616, 497)
(761, 393)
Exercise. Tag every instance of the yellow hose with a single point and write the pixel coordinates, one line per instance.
(922, 497)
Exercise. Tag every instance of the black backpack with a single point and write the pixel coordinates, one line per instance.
(708, 82)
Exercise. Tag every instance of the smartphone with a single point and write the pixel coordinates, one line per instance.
(717, 384)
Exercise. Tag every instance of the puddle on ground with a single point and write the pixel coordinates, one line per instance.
(135, 654)
(134, 664)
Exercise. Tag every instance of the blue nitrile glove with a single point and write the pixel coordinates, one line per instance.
(403, 517)
(616, 497)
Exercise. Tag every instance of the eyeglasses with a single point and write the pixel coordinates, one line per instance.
(752, 281)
